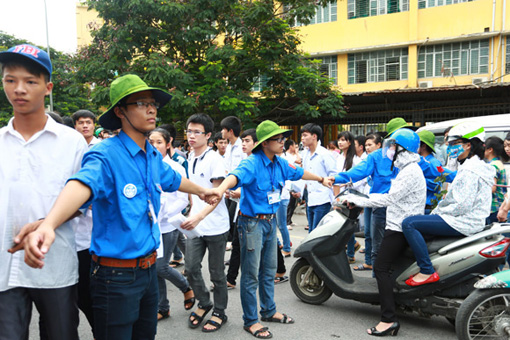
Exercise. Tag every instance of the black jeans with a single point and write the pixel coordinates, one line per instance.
(235, 259)
(84, 298)
(392, 246)
(291, 208)
(57, 308)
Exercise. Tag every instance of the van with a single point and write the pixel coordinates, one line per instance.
(494, 125)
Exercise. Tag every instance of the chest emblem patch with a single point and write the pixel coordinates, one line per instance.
(129, 190)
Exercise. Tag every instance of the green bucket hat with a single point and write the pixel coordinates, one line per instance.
(123, 87)
(268, 129)
(395, 124)
(428, 138)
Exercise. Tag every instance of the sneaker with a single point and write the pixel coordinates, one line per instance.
(289, 227)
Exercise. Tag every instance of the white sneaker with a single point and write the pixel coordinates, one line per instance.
(289, 227)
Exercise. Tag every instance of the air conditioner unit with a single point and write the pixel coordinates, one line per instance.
(479, 80)
(425, 84)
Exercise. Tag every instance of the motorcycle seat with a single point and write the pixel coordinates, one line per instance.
(434, 243)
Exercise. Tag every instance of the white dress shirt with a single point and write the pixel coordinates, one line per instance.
(321, 163)
(83, 223)
(32, 174)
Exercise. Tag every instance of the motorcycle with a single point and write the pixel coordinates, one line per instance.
(485, 313)
(323, 268)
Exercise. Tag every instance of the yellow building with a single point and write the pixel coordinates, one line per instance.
(424, 60)
(86, 21)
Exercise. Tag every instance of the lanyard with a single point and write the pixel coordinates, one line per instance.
(148, 179)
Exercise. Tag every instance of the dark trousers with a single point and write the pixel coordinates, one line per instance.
(392, 246)
(235, 259)
(231, 206)
(57, 308)
(291, 208)
(280, 268)
(84, 298)
(125, 302)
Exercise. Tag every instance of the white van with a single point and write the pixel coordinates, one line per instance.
(494, 125)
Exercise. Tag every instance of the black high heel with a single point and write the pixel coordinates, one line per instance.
(392, 330)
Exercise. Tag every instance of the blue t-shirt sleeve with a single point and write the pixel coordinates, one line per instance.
(95, 173)
(364, 169)
(245, 172)
(170, 179)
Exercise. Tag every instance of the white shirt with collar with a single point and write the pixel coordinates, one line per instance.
(234, 154)
(321, 163)
(172, 203)
(31, 180)
(202, 170)
(83, 223)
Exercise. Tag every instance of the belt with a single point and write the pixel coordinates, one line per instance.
(267, 217)
(142, 262)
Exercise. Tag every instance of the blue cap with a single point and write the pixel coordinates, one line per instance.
(30, 52)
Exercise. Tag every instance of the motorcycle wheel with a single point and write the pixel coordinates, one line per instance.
(485, 314)
(314, 291)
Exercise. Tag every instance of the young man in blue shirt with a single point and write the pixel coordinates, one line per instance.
(262, 177)
(123, 177)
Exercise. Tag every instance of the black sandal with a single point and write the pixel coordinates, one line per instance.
(198, 318)
(218, 325)
(163, 314)
(189, 303)
(258, 331)
(285, 319)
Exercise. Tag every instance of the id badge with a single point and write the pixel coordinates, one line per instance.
(152, 215)
(273, 197)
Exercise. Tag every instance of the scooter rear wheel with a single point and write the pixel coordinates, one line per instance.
(485, 314)
(314, 291)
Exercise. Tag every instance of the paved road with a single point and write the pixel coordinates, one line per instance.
(335, 319)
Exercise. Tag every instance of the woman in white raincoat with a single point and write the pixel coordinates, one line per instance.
(406, 197)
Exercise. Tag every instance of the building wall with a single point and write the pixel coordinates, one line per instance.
(413, 30)
(85, 21)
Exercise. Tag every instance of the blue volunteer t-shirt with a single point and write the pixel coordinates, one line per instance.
(123, 180)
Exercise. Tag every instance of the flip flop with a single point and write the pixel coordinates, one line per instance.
(286, 319)
(280, 279)
(258, 331)
(361, 267)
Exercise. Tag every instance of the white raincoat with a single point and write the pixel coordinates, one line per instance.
(407, 195)
(468, 201)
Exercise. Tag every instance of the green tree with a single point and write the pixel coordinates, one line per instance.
(210, 55)
(68, 94)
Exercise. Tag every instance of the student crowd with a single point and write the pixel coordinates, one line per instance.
(94, 224)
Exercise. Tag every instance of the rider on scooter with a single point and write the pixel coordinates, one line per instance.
(406, 197)
(466, 205)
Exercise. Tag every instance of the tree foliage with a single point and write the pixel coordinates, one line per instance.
(68, 95)
(210, 54)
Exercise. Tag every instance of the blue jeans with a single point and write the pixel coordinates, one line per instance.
(350, 247)
(258, 267)
(367, 214)
(378, 226)
(125, 302)
(165, 272)
(315, 214)
(281, 218)
(414, 227)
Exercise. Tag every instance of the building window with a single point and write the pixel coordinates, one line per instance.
(435, 3)
(329, 68)
(462, 58)
(377, 66)
(365, 8)
(260, 83)
(322, 14)
(507, 60)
